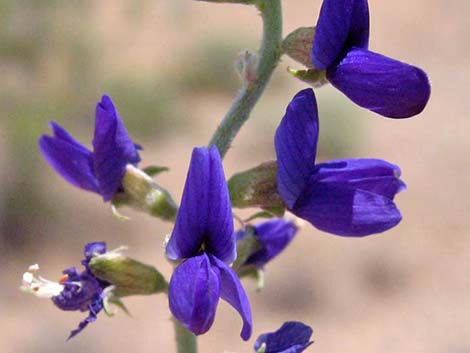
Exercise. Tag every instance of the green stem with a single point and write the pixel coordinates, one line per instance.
(269, 55)
(186, 341)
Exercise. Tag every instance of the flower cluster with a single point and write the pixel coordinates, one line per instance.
(376, 82)
(102, 170)
(204, 238)
(345, 197)
(350, 197)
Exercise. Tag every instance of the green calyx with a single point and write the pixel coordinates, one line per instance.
(257, 187)
(128, 276)
(143, 193)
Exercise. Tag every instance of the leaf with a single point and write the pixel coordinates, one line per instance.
(153, 170)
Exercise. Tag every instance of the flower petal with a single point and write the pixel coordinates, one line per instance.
(232, 292)
(359, 29)
(296, 146)
(113, 148)
(220, 239)
(341, 209)
(70, 159)
(92, 316)
(386, 86)
(194, 294)
(274, 235)
(62, 134)
(205, 215)
(374, 175)
(341, 25)
(79, 292)
(292, 337)
(94, 248)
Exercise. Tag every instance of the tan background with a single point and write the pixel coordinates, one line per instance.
(168, 66)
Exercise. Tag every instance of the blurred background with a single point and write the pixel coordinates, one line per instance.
(168, 65)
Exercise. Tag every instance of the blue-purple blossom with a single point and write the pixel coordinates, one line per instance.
(76, 291)
(292, 337)
(102, 170)
(373, 81)
(348, 197)
(273, 237)
(204, 238)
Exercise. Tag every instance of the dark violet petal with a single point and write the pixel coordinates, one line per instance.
(72, 162)
(194, 294)
(375, 175)
(386, 86)
(78, 297)
(62, 134)
(292, 337)
(94, 248)
(331, 32)
(81, 326)
(220, 237)
(273, 235)
(232, 292)
(94, 309)
(338, 208)
(113, 148)
(296, 146)
(359, 27)
(205, 214)
(91, 249)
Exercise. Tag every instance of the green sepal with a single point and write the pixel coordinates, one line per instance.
(246, 246)
(313, 77)
(262, 349)
(261, 214)
(253, 272)
(114, 210)
(298, 45)
(143, 193)
(128, 276)
(256, 187)
(153, 170)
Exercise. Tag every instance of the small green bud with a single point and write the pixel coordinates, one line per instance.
(313, 77)
(246, 247)
(128, 276)
(246, 66)
(143, 193)
(256, 187)
(298, 45)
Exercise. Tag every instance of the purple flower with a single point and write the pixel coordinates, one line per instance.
(204, 238)
(348, 197)
(292, 337)
(273, 237)
(384, 85)
(76, 291)
(102, 170)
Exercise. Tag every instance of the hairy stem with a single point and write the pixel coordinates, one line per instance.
(269, 55)
(185, 340)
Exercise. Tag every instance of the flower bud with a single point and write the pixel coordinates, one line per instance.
(128, 276)
(143, 193)
(246, 65)
(298, 45)
(315, 78)
(256, 187)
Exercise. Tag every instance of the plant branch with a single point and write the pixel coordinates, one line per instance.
(269, 55)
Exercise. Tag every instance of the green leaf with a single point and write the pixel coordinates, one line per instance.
(261, 214)
(154, 170)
